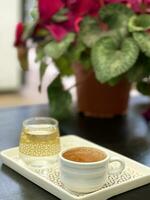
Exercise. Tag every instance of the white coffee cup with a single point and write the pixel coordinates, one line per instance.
(85, 177)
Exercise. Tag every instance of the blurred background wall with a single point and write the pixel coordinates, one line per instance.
(16, 87)
(10, 74)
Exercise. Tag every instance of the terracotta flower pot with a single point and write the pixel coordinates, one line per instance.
(100, 100)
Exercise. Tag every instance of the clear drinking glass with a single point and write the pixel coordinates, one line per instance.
(39, 142)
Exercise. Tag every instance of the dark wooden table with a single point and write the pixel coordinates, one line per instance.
(128, 135)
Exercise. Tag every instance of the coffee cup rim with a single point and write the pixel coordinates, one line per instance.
(83, 163)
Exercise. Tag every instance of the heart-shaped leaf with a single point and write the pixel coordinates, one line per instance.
(56, 49)
(39, 54)
(64, 65)
(35, 14)
(89, 31)
(60, 100)
(144, 87)
(110, 58)
(74, 52)
(139, 23)
(143, 40)
(115, 80)
(29, 28)
(43, 67)
(116, 15)
(140, 70)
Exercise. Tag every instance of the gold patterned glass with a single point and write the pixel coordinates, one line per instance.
(39, 142)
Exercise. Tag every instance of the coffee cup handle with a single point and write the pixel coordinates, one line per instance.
(116, 170)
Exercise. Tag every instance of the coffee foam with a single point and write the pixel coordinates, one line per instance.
(84, 154)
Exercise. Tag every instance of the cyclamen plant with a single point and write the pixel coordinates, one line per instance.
(109, 36)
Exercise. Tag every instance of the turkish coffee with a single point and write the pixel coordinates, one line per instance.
(84, 154)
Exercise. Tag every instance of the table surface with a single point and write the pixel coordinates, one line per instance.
(128, 135)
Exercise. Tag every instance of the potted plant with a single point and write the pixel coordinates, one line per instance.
(105, 42)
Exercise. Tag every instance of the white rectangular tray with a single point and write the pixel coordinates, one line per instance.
(134, 175)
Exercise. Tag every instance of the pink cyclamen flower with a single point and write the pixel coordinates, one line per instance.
(18, 36)
(140, 6)
(83, 7)
(76, 24)
(147, 3)
(57, 31)
(136, 5)
(72, 24)
(60, 30)
(47, 8)
(77, 10)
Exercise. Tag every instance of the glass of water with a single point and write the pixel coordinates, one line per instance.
(39, 142)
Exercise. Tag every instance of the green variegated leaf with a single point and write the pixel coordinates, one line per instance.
(143, 87)
(35, 14)
(116, 34)
(64, 66)
(90, 37)
(43, 67)
(110, 58)
(89, 31)
(60, 100)
(76, 51)
(143, 40)
(85, 59)
(140, 70)
(115, 80)
(29, 28)
(116, 15)
(60, 16)
(57, 49)
(39, 54)
(73, 54)
(43, 33)
(136, 73)
(139, 23)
